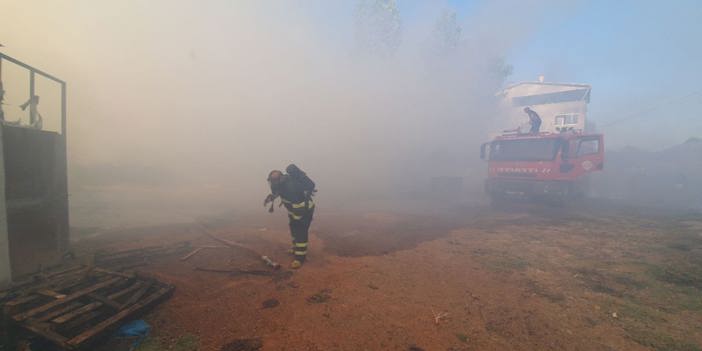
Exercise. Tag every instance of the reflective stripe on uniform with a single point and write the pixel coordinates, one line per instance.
(303, 204)
(298, 210)
(300, 249)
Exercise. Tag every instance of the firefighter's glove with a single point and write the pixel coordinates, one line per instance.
(269, 199)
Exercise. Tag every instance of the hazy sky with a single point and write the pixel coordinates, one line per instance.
(637, 55)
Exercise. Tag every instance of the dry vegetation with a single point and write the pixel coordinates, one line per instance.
(475, 279)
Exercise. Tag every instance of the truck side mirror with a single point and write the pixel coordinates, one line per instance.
(482, 151)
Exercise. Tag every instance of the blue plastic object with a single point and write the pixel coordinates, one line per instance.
(139, 329)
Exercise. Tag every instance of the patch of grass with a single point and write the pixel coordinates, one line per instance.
(503, 263)
(244, 345)
(540, 290)
(187, 342)
(150, 344)
(680, 246)
(685, 241)
(631, 309)
(661, 342)
(462, 337)
(657, 291)
(597, 281)
(680, 236)
(684, 275)
(629, 281)
(689, 299)
(679, 230)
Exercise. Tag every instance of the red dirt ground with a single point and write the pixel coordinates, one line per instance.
(505, 280)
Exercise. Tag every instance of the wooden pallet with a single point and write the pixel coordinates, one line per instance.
(83, 305)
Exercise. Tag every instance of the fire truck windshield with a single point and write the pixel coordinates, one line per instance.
(524, 150)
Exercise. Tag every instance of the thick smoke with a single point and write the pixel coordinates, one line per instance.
(182, 107)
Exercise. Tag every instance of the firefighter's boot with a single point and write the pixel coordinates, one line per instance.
(296, 264)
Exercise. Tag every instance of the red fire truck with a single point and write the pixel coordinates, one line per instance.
(550, 165)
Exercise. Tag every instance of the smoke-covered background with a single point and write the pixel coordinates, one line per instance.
(180, 108)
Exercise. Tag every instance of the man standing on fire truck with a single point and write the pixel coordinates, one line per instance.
(534, 120)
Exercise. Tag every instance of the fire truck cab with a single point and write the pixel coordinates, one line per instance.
(554, 165)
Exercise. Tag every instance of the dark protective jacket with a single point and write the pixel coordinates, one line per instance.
(296, 198)
(534, 117)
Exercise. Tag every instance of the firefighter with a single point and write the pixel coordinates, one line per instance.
(534, 120)
(295, 190)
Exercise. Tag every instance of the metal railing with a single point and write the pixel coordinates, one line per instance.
(33, 71)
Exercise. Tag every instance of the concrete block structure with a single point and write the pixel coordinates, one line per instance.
(562, 106)
(5, 270)
(34, 228)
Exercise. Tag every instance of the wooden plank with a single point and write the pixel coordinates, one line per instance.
(78, 294)
(51, 293)
(56, 313)
(64, 282)
(118, 274)
(65, 271)
(144, 262)
(119, 317)
(125, 291)
(73, 327)
(115, 287)
(43, 330)
(70, 315)
(21, 284)
(46, 288)
(78, 283)
(22, 300)
(137, 295)
(22, 303)
(106, 301)
(191, 254)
